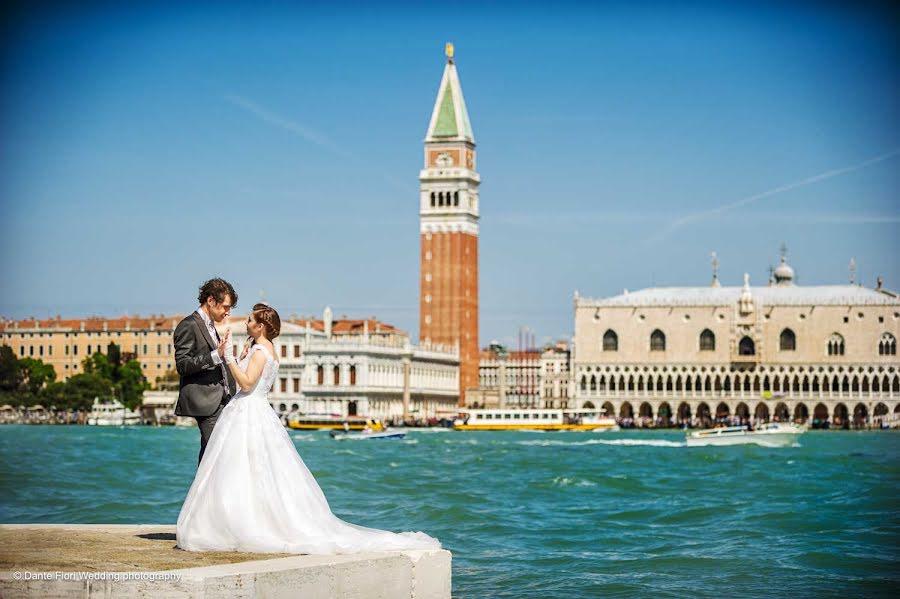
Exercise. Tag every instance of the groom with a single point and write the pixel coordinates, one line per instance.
(205, 385)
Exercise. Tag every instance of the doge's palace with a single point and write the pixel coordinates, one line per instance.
(824, 354)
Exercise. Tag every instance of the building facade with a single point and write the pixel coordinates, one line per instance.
(449, 213)
(526, 378)
(65, 343)
(787, 352)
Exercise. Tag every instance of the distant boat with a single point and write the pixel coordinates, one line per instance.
(325, 422)
(534, 420)
(112, 414)
(773, 434)
(344, 436)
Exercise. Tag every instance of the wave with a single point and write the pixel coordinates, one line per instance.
(622, 442)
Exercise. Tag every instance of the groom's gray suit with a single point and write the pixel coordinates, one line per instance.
(204, 386)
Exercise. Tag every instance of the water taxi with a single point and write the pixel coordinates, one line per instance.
(385, 434)
(534, 420)
(315, 422)
(112, 414)
(772, 434)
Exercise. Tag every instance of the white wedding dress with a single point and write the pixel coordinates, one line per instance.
(253, 493)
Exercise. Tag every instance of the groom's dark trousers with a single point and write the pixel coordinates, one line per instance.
(204, 386)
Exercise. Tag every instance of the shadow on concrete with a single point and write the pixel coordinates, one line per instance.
(158, 536)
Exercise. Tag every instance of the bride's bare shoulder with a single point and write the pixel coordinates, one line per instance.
(269, 346)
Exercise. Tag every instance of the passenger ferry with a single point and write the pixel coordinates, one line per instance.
(315, 422)
(534, 420)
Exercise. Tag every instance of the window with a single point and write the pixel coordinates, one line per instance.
(787, 341)
(746, 347)
(456, 198)
(88, 348)
(320, 375)
(835, 345)
(657, 341)
(159, 347)
(283, 382)
(296, 351)
(707, 340)
(296, 385)
(284, 351)
(353, 375)
(432, 199)
(888, 345)
(610, 341)
(337, 375)
(145, 348)
(75, 350)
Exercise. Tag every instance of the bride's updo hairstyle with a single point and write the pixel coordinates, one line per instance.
(266, 315)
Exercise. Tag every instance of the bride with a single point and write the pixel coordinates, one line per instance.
(252, 491)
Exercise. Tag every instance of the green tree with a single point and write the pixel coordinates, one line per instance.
(35, 374)
(10, 371)
(81, 389)
(131, 385)
(99, 364)
(54, 394)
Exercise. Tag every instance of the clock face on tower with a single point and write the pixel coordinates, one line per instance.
(444, 160)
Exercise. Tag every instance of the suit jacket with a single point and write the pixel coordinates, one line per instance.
(202, 385)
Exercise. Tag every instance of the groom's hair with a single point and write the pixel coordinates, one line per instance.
(268, 318)
(218, 288)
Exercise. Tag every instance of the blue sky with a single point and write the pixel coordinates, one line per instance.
(149, 146)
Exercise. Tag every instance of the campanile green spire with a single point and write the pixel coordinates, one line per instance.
(450, 119)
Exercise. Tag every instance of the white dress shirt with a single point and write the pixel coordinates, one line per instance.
(217, 359)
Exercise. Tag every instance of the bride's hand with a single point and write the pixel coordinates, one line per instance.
(246, 350)
(226, 349)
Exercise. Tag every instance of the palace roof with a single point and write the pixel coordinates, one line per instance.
(793, 295)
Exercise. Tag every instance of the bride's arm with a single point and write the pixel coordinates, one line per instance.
(246, 380)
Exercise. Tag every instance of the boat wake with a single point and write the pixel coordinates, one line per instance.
(622, 442)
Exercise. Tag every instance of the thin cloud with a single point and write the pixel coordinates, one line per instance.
(304, 132)
(285, 123)
(830, 174)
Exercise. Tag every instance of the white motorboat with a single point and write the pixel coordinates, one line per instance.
(112, 414)
(773, 434)
(342, 436)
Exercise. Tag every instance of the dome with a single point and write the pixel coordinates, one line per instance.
(784, 274)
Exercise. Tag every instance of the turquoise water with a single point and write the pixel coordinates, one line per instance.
(629, 514)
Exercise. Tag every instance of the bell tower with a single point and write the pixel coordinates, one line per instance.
(448, 216)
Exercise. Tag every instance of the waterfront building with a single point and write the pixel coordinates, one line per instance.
(556, 376)
(507, 379)
(449, 213)
(65, 343)
(778, 352)
(523, 379)
(379, 376)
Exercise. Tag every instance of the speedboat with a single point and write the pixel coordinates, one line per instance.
(345, 436)
(772, 434)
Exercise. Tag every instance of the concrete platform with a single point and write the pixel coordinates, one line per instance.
(111, 560)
